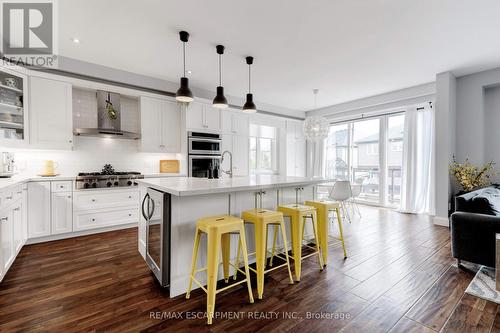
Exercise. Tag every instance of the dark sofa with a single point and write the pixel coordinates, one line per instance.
(474, 224)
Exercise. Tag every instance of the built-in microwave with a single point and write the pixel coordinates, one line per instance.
(204, 143)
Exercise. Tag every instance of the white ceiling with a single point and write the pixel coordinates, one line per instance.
(348, 49)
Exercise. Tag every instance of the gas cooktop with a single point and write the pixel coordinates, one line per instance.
(88, 180)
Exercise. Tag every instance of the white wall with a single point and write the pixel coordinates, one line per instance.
(467, 118)
(445, 120)
(371, 105)
(491, 130)
(90, 154)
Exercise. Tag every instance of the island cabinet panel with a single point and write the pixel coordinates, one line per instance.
(187, 209)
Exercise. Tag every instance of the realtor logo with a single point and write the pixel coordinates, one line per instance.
(28, 30)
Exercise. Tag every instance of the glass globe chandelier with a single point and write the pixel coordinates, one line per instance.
(316, 128)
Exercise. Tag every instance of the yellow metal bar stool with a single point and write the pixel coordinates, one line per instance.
(218, 230)
(298, 215)
(322, 209)
(262, 219)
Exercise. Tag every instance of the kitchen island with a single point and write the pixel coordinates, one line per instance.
(189, 199)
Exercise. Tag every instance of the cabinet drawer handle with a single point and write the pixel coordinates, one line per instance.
(129, 214)
(93, 220)
(93, 200)
(61, 186)
(4, 219)
(9, 198)
(130, 197)
(17, 209)
(20, 192)
(69, 196)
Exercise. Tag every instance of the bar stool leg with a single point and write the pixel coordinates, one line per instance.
(285, 244)
(322, 222)
(237, 261)
(275, 238)
(245, 260)
(339, 220)
(196, 246)
(315, 229)
(260, 253)
(226, 253)
(296, 223)
(213, 245)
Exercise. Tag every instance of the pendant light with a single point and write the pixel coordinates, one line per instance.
(184, 94)
(220, 100)
(316, 128)
(249, 106)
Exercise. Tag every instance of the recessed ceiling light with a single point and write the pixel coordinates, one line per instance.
(75, 40)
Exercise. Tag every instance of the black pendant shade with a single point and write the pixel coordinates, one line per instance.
(184, 94)
(249, 106)
(220, 100)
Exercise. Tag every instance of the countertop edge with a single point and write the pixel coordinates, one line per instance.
(230, 190)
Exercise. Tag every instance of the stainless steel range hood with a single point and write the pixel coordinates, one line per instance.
(108, 119)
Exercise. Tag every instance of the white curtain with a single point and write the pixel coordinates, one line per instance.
(417, 181)
(315, 158)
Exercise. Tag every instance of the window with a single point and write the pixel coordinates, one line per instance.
(263, 149)
(353, 152)
(372, 149)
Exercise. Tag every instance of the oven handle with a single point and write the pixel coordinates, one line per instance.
(205, 140)
(142, 206)
(206, 157)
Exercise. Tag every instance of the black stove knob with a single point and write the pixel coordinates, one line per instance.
(108, 184)
(129, 183)
(94, 185)
(116, 183)
(86, 185)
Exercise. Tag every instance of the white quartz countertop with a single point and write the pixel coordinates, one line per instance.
(18, 180)
(188, 186)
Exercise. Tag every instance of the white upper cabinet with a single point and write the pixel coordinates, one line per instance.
(295, 149)
(238, 145)
(160, 125)
(200, 116)
(50, 113)
(235, 122)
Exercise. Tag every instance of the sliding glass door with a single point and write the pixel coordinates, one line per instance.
(369, 153)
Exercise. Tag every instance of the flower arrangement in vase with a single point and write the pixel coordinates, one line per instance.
(470, 176)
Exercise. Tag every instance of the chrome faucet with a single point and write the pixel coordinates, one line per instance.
(230, 171)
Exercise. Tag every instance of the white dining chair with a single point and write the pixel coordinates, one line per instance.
(356, 191)
(342, 192)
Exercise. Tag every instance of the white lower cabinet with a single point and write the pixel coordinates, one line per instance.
(62, 212)
(39, 209)
(103, 208)
(12, 226)
(7, 237)
(99, 219)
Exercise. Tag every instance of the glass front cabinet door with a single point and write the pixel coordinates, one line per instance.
(13, 108)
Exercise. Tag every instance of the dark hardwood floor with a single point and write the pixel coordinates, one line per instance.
(399, 277)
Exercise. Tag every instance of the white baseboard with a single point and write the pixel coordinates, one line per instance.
(442, 221)
(79, 233)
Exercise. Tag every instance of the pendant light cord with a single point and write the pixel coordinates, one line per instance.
(220, 70)
(249, 74)
(184, 57)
